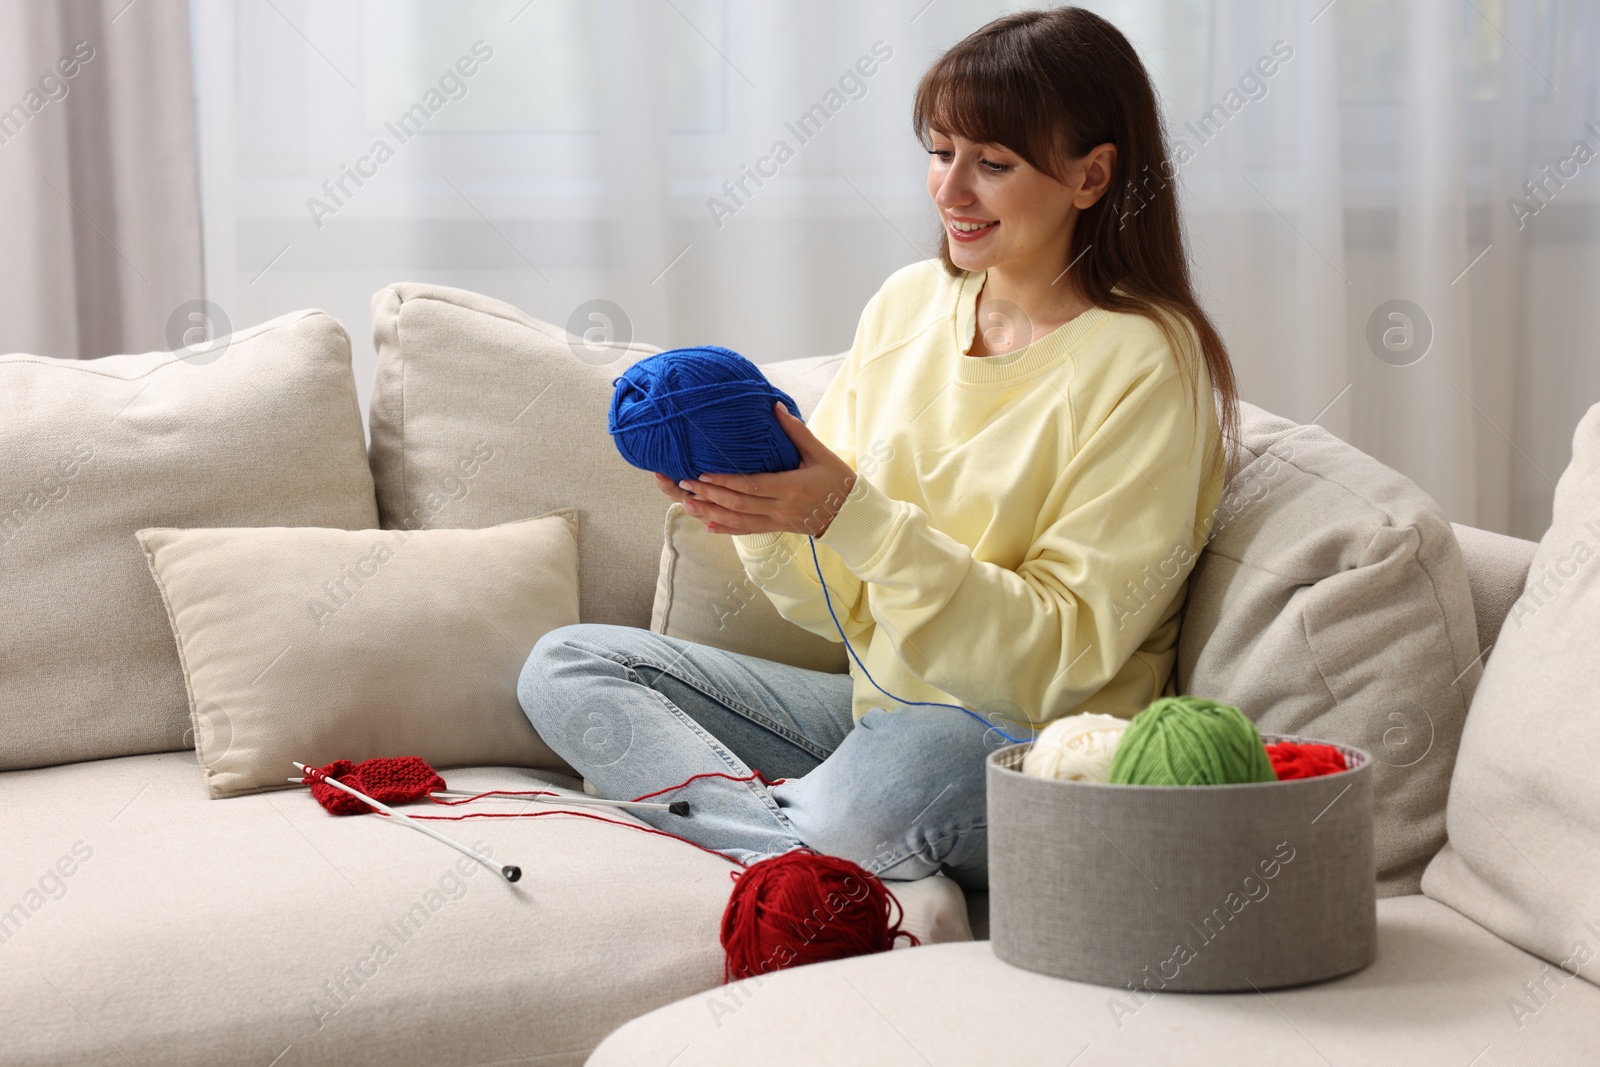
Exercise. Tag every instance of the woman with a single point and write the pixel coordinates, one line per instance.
(1046, 451)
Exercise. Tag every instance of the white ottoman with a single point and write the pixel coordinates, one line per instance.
(1437, 994)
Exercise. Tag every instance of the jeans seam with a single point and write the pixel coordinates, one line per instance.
(634, 662)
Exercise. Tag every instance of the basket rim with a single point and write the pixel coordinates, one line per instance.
(995, 760)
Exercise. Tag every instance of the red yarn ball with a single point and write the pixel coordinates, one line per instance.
(1295, 759)
(804, 907)
(386, 779)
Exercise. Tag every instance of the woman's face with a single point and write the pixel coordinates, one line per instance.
(997, 208)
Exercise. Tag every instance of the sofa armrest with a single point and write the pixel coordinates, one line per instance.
(1497, 567)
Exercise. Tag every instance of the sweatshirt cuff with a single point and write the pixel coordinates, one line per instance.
(758, 542)
(863, 525)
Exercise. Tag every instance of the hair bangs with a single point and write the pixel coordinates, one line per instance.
(988, 96)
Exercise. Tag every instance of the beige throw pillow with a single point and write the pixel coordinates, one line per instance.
(260, 429)
(704, 594)
(1332, 601)
(1523, 857)
(314, 644)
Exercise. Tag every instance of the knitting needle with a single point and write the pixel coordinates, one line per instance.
(510, 871)
(676, 807)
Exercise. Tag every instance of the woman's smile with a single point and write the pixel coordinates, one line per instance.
(964, 229)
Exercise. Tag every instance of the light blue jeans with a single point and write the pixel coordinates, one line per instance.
(901, 792)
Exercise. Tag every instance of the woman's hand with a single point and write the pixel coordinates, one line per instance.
(804, 500)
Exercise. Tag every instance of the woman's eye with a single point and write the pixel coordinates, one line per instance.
(996, 168)
(944, 154)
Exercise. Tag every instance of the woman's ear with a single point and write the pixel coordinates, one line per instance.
(1093, 173)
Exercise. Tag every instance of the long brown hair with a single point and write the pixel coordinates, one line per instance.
(1049, 86)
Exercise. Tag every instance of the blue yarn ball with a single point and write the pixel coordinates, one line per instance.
(691, 411)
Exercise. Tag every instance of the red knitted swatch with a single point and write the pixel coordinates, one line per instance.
(386, 779)
(1294, 759)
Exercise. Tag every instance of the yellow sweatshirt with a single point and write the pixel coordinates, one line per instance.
(1022, 527)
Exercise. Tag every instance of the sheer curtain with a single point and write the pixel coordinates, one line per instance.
(101, 222)
(694, 171)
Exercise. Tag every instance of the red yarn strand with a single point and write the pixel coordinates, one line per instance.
(712, 774)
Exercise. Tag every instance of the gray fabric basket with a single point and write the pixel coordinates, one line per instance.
(1167, 887)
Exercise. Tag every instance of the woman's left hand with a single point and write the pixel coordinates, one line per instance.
(804, 500)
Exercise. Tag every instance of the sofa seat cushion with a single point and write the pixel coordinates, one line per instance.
(144, 923)
(1439, 992)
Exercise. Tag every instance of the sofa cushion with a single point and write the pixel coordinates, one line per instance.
(149, 925)
(1524, 815)
(704, 594)
(260, 429)
(456, 369)
(1331, 601)
(314, 645)
(1442, 991)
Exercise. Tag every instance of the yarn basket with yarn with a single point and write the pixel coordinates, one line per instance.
(691, 411)
(1223, 877)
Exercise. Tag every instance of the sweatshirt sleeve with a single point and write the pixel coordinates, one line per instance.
(1051, 633)
(781, 563)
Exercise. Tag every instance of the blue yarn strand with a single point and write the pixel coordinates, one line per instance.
(928, 703)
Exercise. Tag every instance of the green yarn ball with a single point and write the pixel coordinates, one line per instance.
(1189, 740)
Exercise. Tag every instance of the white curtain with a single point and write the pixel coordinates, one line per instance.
(616, 164)
(100, 231)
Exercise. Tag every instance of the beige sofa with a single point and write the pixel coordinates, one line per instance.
(142, 921)
(1444, 990)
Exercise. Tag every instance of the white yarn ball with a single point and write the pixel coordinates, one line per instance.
(1076, 748)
